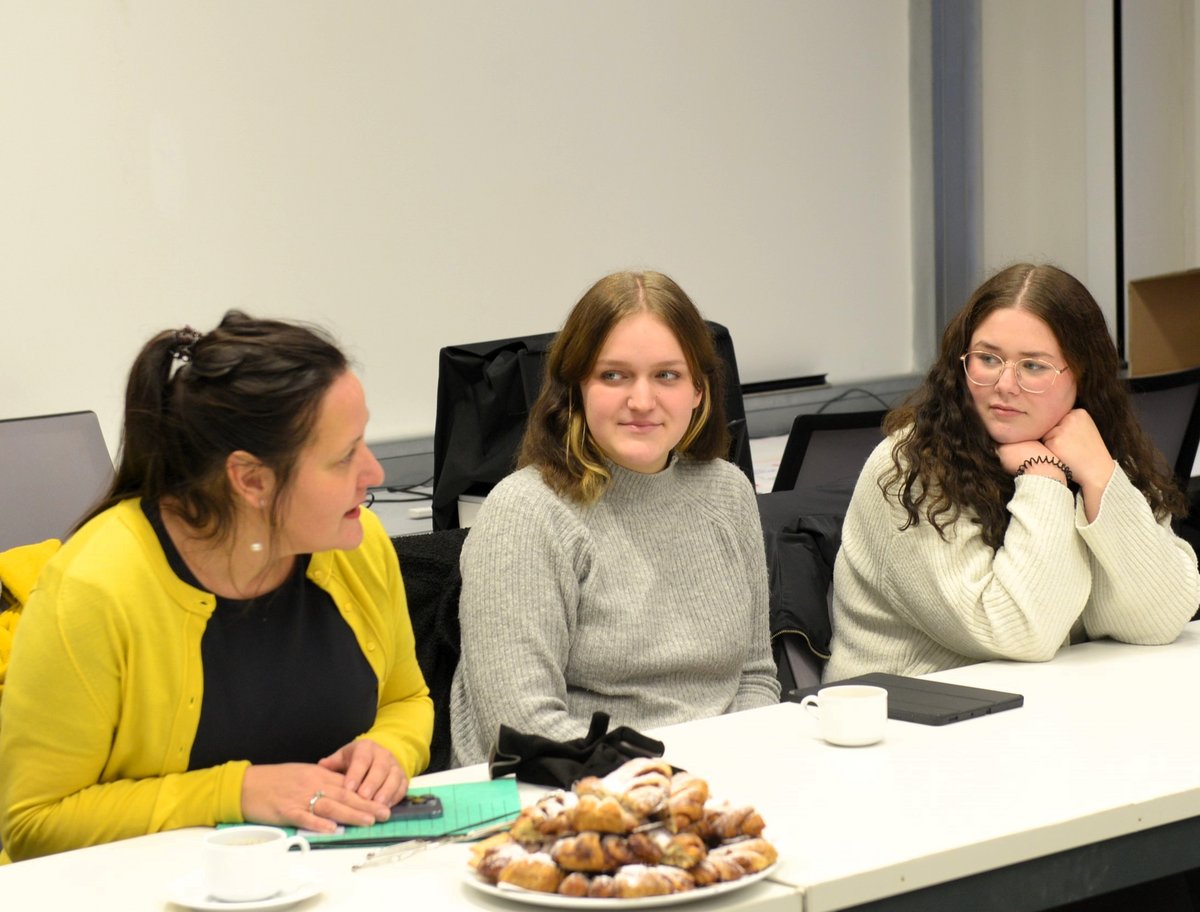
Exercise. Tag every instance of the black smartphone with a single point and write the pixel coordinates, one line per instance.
(417, 807)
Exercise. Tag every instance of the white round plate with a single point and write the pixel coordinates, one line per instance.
(189, 891)
(555, 900)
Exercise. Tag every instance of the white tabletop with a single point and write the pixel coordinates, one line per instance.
(1105, 745)
(137, 874)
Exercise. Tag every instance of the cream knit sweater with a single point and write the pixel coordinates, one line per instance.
(909, 602)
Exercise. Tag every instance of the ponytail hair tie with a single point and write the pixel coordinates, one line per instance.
(183, 349)
(184, 345)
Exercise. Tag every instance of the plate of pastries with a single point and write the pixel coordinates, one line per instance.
(644, 835)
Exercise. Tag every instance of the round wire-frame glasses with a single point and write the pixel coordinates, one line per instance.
(1033, 374)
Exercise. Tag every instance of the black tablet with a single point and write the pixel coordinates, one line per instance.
(927, 702)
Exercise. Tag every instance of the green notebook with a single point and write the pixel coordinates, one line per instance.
(466, 806)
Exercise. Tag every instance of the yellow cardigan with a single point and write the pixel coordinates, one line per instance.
(105, 684)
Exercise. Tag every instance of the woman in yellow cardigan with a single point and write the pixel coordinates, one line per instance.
(225, 637)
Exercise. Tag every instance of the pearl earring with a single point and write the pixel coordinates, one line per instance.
(257, 546)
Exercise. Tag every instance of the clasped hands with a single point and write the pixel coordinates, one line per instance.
(1076, 441)
(356, 785)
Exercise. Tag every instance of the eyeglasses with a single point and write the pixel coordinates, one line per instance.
(1033, 375)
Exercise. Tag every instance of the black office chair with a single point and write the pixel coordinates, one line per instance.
(1168, 406)
(828, 449)
(485, 391)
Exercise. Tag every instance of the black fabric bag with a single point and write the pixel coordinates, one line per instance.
(559, 764)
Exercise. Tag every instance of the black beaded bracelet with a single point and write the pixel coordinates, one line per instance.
(1046, 460)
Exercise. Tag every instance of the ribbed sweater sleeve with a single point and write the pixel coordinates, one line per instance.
(649, 605)
(910, 601)
(1145, 582)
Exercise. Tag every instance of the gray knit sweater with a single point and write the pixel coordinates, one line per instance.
(650, 605)
(909, 602)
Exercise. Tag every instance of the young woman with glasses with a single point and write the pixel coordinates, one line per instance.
(1016, 504)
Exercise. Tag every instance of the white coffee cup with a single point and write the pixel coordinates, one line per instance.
(246, 863)
(851, 715)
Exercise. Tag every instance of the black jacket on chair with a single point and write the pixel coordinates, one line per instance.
(429, 568)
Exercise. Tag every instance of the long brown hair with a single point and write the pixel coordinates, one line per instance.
(946, 463)
(192, 399)
(557, 439)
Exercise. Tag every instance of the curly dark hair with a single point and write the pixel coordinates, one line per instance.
(557, 439)
(945, 463)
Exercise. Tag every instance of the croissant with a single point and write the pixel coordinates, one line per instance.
(593, 852)
(482, 849)
(602, 887)
(575, 884)
(685, 803)
(546, 818)
(533, 871)
(716, 870)
(581, 853)
(492, 863)
(604, 815)
(722, 821)
(681, 881)
(634, 881)
(751, 855)
(658, 846)
(641, 785)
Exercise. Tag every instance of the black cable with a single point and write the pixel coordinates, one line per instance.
(854, 389)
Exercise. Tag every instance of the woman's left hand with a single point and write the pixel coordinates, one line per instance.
(370, 770)
(1077, 442)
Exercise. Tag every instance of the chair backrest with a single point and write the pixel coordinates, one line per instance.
(828, 448)
(485, 391)
(52, 468)
(1168, 406)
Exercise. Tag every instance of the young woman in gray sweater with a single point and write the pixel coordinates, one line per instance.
(621, 568)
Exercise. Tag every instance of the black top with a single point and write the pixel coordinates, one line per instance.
(284, 678)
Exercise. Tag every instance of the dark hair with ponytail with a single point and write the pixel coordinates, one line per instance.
(192, 400)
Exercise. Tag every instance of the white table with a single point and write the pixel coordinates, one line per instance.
(1104, 751)
(1105, 746)
(137, 874)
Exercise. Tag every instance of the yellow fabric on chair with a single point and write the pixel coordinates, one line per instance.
(19, 569)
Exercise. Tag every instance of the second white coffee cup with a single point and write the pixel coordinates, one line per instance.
(850, 715)
(246, 863)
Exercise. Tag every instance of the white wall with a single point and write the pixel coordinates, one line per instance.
(1048, 139)
(1160, 99)
(417, 173)
(1049, 161)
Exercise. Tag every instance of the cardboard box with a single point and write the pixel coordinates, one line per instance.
(1163, 324)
